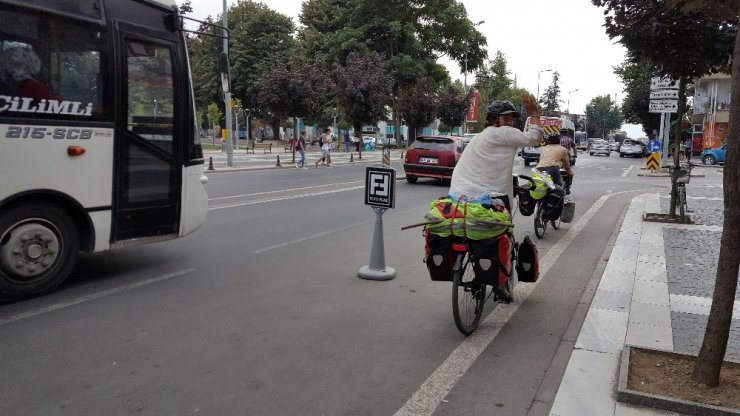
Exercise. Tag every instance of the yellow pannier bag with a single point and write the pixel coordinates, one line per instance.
(466, 219)
(540, 180)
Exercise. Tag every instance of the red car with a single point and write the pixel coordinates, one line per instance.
(432, 157)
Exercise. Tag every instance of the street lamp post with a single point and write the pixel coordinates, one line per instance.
(538, 82)
(569, 92)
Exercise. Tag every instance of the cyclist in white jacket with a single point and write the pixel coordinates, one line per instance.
(487, 164)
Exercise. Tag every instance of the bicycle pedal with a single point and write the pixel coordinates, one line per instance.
(502, 295)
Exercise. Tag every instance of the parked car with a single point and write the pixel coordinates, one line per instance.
(599, 147)
(714, 156)
(432, 157)
(632, 148)
(614, 146)
(387, 142)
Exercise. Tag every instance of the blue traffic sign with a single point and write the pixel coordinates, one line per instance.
(654, 145)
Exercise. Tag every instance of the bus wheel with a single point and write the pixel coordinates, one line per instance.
(38, 249)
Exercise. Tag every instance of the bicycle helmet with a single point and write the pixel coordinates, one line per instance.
(499, 107)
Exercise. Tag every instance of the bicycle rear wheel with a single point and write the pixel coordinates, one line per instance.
(540, 223)
(468, 295)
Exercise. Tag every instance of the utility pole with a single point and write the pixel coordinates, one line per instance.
(227, 102)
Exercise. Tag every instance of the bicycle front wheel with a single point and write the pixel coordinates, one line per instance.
(468, 295)
(540, 223)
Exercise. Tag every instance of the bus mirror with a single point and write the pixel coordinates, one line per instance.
(223, 64)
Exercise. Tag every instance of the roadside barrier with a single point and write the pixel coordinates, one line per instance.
(210, 163)
(278, 162)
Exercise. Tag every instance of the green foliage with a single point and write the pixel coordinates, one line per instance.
(418, 104)
(363, 89)
(493, 80)
(260, 38)
(680, 44)
(407, 35)
(602, 115)
(635, 106)
(214, 114)
(453, 104)
(550, 100)
(296, 89)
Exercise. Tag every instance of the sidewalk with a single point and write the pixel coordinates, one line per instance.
(260, 160)
(655, 292)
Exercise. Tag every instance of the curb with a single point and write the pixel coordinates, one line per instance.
(626, 395)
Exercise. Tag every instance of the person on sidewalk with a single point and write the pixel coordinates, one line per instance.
(346, 141)
(300, 147)
(326, 141)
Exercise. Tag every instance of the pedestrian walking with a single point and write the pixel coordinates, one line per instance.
(687, 148)
(326, 141)
(346, 141)
(300, 147)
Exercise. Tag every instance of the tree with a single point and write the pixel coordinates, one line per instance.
(635, 107)
(453, 104)
(681, 44)
(493, 79)
(418, 105)
(602, 115)
(295, 89)
(550, 100)
(363, 90)
(713, 348)
(704, 52)
(259, 39)
(407, 36)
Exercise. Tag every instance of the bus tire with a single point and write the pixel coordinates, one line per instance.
(39, 244)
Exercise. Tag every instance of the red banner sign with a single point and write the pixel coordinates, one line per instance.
(472, 114)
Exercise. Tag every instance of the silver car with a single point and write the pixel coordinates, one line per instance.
(630, 148)
(599, 147)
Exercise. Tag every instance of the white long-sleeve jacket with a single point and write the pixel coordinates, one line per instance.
(487, 163)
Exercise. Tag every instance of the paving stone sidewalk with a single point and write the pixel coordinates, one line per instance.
(655, 292)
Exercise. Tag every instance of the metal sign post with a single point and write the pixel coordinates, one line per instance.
(380, 194)
(664, 100)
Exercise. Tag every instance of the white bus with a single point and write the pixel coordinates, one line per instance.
(98, 148)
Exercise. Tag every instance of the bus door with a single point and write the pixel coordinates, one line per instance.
(148, 184)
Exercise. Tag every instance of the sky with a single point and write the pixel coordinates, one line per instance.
(566, 36)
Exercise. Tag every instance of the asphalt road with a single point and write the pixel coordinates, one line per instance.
(261, 312)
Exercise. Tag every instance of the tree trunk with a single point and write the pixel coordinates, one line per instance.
(397, 127)
(677, 146)
(714, 346)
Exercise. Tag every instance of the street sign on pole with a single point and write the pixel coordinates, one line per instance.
(664, 95)
(663, 106)
(380, 187)
(662, 83)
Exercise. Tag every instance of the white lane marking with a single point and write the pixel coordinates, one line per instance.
(281, 191)
(93, 296)
(439, 384)
(283, 198)
(627, 171)
(262, 250)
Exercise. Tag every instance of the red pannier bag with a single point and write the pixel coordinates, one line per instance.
(492, 259)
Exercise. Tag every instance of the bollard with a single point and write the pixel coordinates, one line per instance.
(210, 163)
(377, 270)
(352, 157)
(401, 154)
(278, 162)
